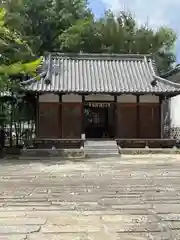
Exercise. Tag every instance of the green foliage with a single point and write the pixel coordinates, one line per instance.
(20, 68)
(69, 26)
(42, 22)
(121, 34)
(16, 55)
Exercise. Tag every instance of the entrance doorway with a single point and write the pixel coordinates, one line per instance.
(99, 120)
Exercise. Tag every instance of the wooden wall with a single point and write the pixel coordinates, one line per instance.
(138, 120)
(59, 117)
(49, 120)
(135, 117)
(126, 120)
(149, 120)
(71, 120)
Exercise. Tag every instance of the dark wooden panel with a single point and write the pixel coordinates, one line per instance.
(151, 143)
(45, 143)
(71, 120)
(126, 116)
(149, 120)
(49, 120)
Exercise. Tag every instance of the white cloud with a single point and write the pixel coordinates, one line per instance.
(155, 12)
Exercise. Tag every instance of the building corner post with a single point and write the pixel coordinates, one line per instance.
(37, 116)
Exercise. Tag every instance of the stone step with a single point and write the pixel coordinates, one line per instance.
(100, 155)
(95, 155)
(100, 148)
(101, 143)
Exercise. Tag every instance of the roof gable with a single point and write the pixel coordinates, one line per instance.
(172, 72)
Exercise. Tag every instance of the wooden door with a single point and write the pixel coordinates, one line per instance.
(49, 124)
(126, 120)
(149, 120)
(71, 120)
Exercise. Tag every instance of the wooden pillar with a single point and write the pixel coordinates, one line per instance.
(48, 122)
(83, 120)
(71, 116)
(37, 116)
(60, 114)
(137, 116)
(115, 117)
(161, 120)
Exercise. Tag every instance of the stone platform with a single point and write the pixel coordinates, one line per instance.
(55, 153)
(84, 153)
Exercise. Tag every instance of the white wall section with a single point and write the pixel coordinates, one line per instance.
(127, 99)
(149, 99)
(175, 111)
(71, 98)
(98, 97)
(48, 97)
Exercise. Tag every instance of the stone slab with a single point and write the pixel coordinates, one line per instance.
(166, 235)
(13, 214)
(13, 237)
(172, 225)
(73, 228)
(23, 229)
(88, 236)
(83, 213)
(132, 236)
(133, 206)
(62, 236)
(22, 221)
(169, 217)
(133, 227)
(167, 208)
(27, 204)
(128, 218)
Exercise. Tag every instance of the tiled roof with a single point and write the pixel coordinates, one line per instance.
(101, 73)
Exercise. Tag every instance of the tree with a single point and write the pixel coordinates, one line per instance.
(43, 22)
(39, 25)
(16, 56)
(121, 34)
(16, 60)
(69, 26)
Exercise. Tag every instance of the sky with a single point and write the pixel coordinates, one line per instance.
(155, 12)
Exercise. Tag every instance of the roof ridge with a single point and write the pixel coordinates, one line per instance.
(99, 56)
(174, 70)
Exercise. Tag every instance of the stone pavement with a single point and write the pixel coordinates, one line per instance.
(127, 198)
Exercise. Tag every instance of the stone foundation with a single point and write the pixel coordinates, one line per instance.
(47, 153)
(146, 151)
(151, 143)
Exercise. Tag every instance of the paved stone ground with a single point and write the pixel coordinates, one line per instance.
(128, 198)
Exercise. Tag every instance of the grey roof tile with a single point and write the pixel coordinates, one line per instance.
(102, 73)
